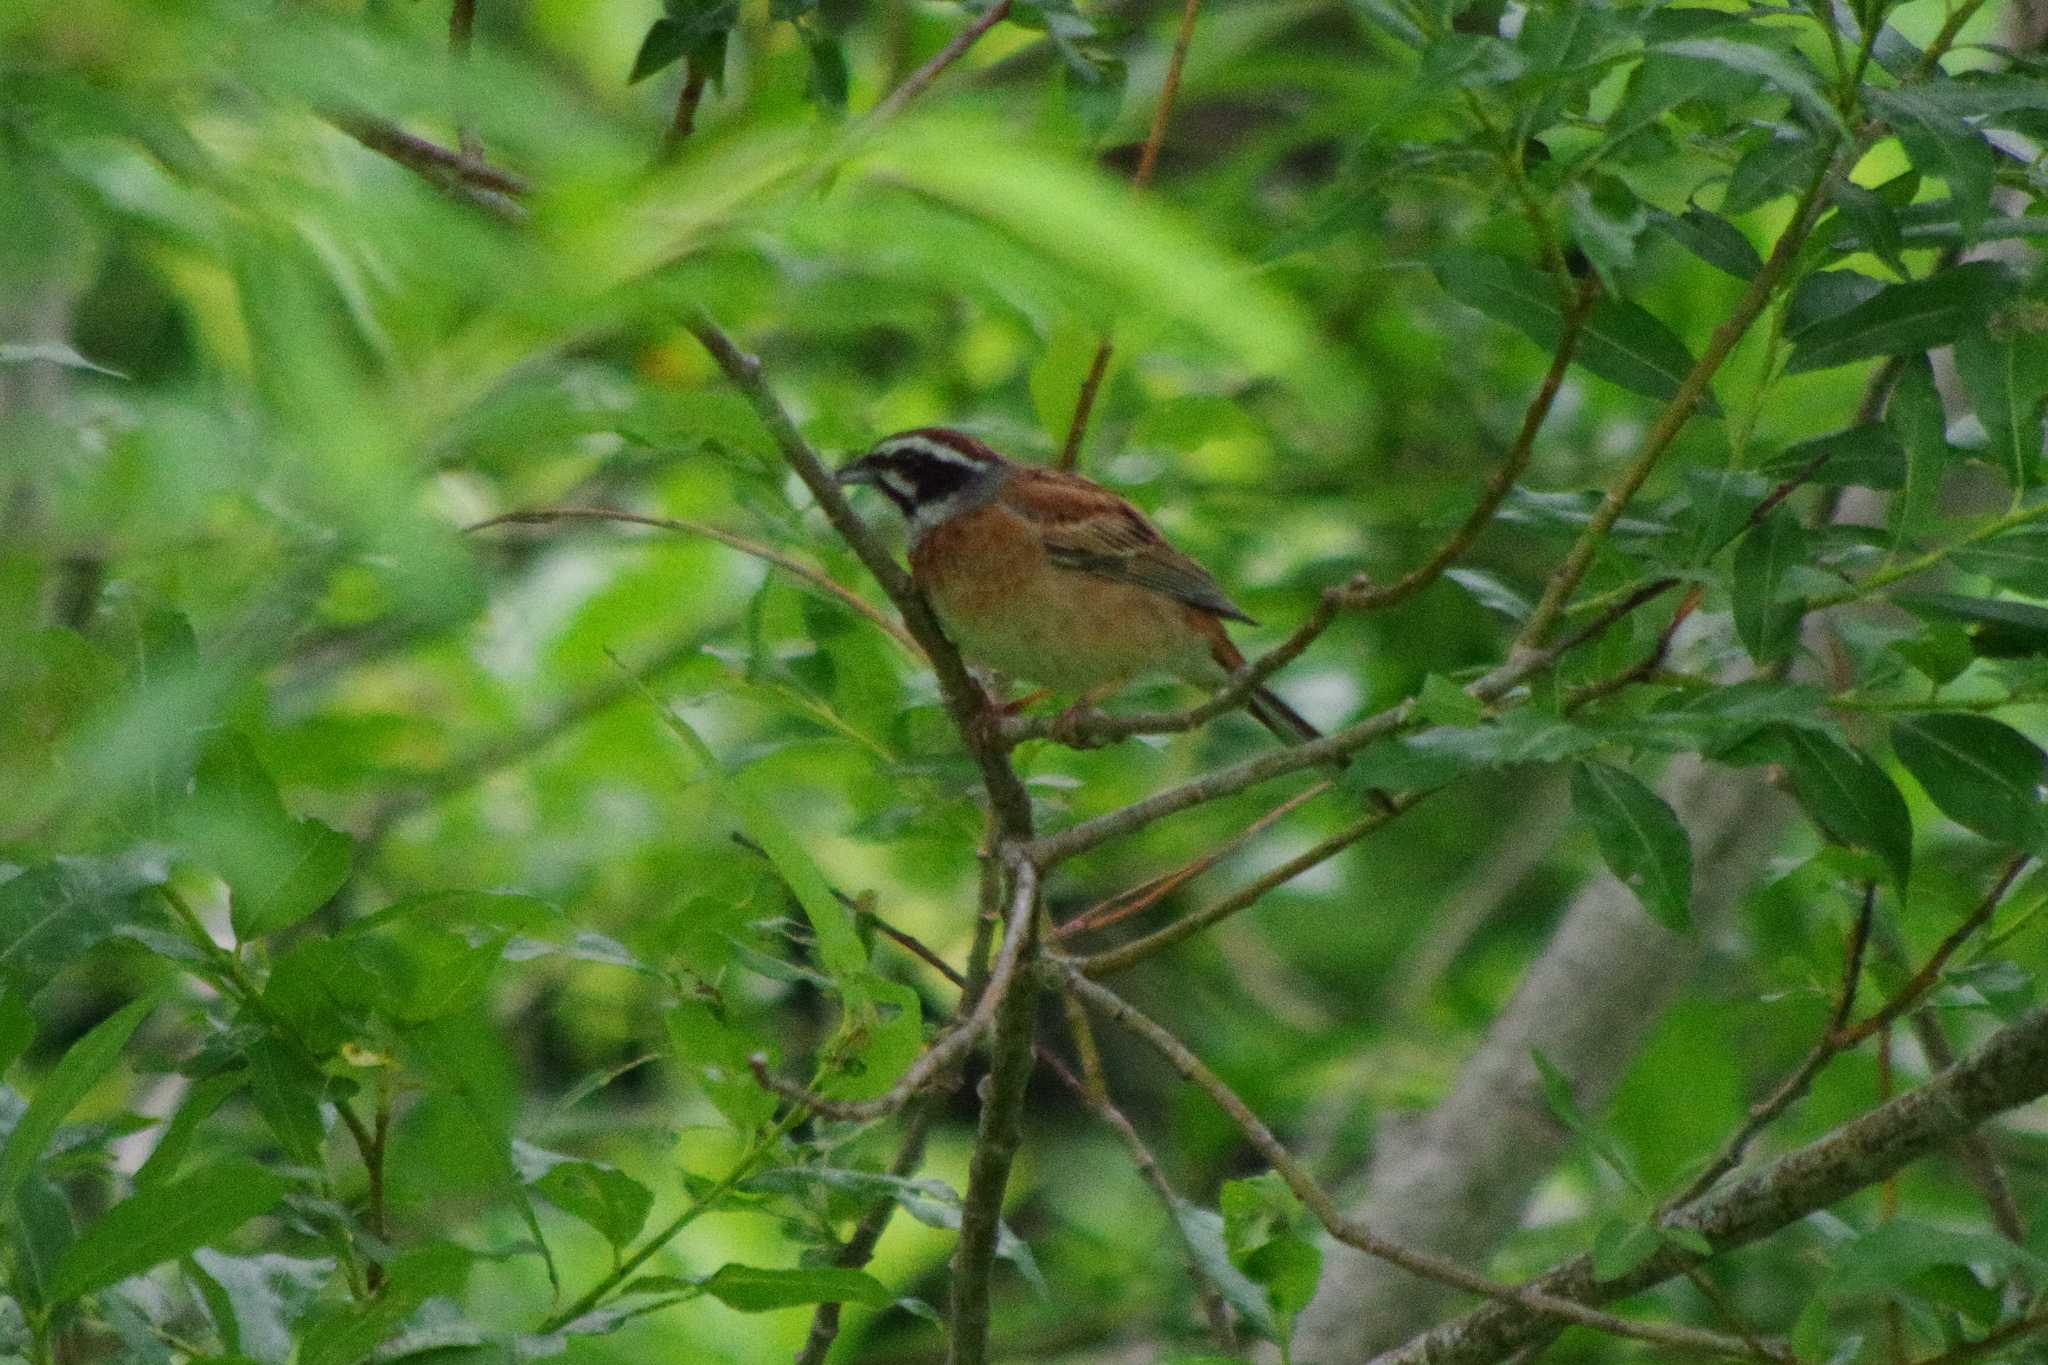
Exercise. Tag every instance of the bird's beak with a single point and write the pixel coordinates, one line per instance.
(859, 471)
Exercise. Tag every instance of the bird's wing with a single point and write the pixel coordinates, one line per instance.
(1088, 529)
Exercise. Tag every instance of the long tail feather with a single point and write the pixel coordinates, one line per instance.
(1291, 727)
(1286, 723)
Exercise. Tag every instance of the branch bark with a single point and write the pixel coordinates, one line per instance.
(1454, 1180)
(2009, 1070)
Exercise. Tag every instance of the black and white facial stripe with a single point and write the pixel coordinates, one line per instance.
(929, 474)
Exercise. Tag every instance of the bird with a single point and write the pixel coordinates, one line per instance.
(1048, 577)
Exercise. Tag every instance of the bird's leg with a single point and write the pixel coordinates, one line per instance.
(1029, 699)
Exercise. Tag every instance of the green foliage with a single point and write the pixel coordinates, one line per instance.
(393, 917)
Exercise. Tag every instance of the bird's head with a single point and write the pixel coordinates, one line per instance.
(930, 473)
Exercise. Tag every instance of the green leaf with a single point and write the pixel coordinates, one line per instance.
(1982, 773)
(17, 1025)
(1712, 238)
(83, 1066)
(603, 1196)
(1557, 1094)
(1867, 456)
(2000, 629)
(1782, 162)
(265, 1296)
(694, 28)
(1439, 755)
(1489, 591)
(1942, 145)
(50, 915)
(180, 1133)
(751, 1289)
(288, 1091)
(717, 1054)
(348, 1333)
(1606, 221)
(1640, 838)
(1915, 418)
(1201, 1230)
(2018, 559)
(279, 869)
(2007, 379)
(1844, 792)
(1443, 702)
(1880, 1260)
(1621, 1245)
(1764, 562)
(839, 945)
(1289, 1267)
(1787, 71)
(1904, 319)
(164, 1222)
(1619, 341)
(1873, 222)
(665, 43)
(828, 80)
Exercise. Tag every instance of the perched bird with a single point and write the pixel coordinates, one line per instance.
(1047, 577)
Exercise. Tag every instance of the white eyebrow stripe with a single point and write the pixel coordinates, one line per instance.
(926, 446)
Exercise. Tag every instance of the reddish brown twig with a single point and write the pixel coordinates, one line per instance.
(1148, 162)
(695, 76)
(1147, 894)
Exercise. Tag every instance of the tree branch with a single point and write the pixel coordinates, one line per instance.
(920, 80)
(1131, 954)
(996, 1139)
(1053, 848)
(468, 178)
(951, 1045)
(963, 697)
(1356, 1234)
(2010, 1069)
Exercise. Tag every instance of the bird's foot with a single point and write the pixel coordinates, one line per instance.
(1072, 726)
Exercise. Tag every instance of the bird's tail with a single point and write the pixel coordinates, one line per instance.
(1286, 723)
(1291, 727)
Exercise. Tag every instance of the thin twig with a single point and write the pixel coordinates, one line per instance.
(684, 122)
(1105, 1109)
(468, 178)
(1147, 894)
(1354, 1233)
(1265, 767)
(950, 1045)
(963, 697)
(1148, 162)
(789, 564)
(920, 80)
(1130, 954)
(1824, 1050)
(859, 1247)
(622, 1272)
(1924, 980)
(1762, 286)
(1502, 482)
(461, 37)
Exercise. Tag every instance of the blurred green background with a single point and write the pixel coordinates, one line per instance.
(255, 379)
